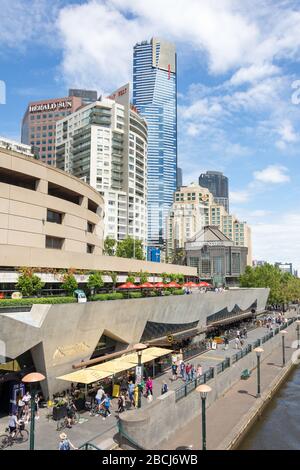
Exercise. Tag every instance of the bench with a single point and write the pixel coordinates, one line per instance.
(245, 374)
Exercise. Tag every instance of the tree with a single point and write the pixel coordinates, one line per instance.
(69, 283)
(28, 283)
(109, 246)
(114, 278)
(166, 278)
(130, 248)
(283, 286)
(95, 281)
(179, 257)
(143, 277)
(130, 278)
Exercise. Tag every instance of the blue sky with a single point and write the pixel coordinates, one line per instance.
(237, 109)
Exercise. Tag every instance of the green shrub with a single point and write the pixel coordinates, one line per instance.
(135, 295)
(99, 297)
(115, 296)
(178, 292)
(41, 300)
(167, 292)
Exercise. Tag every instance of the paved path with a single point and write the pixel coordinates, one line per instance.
(227, 411)
(47, 437)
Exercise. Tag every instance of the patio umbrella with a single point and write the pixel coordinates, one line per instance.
(128, 285)
(160, 285)
(190, 284)
(204, 284)
(174, 284)
(147, 285)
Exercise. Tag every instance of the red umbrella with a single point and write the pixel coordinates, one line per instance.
(174, 284)
(146, 285)
(128, 285)
(160, 285)
(204, 284)
(190, 284)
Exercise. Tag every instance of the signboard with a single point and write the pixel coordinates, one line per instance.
(170, 338)
(55, 106)
(138, 374)
(16, 295)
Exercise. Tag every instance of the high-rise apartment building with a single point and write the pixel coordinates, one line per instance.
(194, 208)
(179, 178)
(155, 96)
(105, 144)
(217, 183)
(38, 125)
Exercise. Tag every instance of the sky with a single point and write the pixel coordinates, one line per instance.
(238, 88)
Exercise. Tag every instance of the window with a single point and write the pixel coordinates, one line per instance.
(54, 217)
(90, 248)
(54, 243)
(90, 227)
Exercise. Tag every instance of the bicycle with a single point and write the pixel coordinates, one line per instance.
(63, 423)
(7, 440)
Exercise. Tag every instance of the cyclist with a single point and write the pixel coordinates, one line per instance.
(71, 410)
(12, 424)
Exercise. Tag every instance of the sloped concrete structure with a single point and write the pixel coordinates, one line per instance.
(59, 336)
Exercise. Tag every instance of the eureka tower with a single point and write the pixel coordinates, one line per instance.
(155, 97)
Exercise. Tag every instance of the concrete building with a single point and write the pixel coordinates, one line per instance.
(38, 124)
(257, 262)
(16, 146)
(53, 338)
(216, 257)
(155, 96)
(195, 207)
(217, 183)
(105, 144)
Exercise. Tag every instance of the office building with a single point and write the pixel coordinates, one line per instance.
(194, 208)
(217, 183)
(179, 178)
(38, 125)
(155, 96)
(17, 147)
(105, 144)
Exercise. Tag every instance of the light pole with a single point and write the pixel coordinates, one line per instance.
(139, 373)
(203, 390)
(258, 352)
(32, 379)
(283, 333)
(298, 333)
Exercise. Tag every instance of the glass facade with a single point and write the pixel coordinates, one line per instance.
(154, 95)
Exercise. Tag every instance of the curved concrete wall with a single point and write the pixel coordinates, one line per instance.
(69, 333)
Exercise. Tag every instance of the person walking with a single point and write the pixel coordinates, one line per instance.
(136, 395)
(99, 396)
(65, 443)
(237, 343)
(131, 393)
(26, 399)
(199, 370)
(36, 406)
(174, 371)
(182, 370)
(164, 388)
(121, 403)
(226, 343)
(106, 403)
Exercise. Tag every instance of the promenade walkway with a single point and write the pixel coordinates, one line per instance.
(226, 412)
(222, 419)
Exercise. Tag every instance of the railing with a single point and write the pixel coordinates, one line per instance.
(88, 446)
(184, 390)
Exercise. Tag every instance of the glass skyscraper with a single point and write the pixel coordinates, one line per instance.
(155, 97)
(217, 183)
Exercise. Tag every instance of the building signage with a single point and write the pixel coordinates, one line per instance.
(138, 375)
(55, 106)
(118, 93)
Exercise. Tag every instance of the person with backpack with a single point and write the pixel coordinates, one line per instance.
(106, 403)
(65, 443)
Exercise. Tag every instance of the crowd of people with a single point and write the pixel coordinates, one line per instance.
(185, 371)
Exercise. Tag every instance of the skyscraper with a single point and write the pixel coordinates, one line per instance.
(217, 183)
(155, 96)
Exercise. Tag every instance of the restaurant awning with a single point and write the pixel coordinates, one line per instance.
(85, 376)
(110, 368)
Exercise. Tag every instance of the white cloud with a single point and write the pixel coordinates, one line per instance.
(273, 174)
(287, 133)
(239, 197)
(253, 74)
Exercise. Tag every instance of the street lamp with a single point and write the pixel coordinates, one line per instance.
(258, 352)
(298, 333)
(138, 373)
(283, 333)
(32, 379)
(203, 390)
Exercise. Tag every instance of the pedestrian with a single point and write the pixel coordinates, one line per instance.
(136, 395)
(226, 343)
(199, 370)
(21, 405)
(237, 343)
(99, 396)
(164, 388)
(149, 386)
(36, 406)
(121, 403)
(245, 332)
(174, 371)
(106, 403)
(131, 393)
(26, 399)
(65, 443)
(182, 370)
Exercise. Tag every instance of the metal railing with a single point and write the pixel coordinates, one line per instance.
(189, 387)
